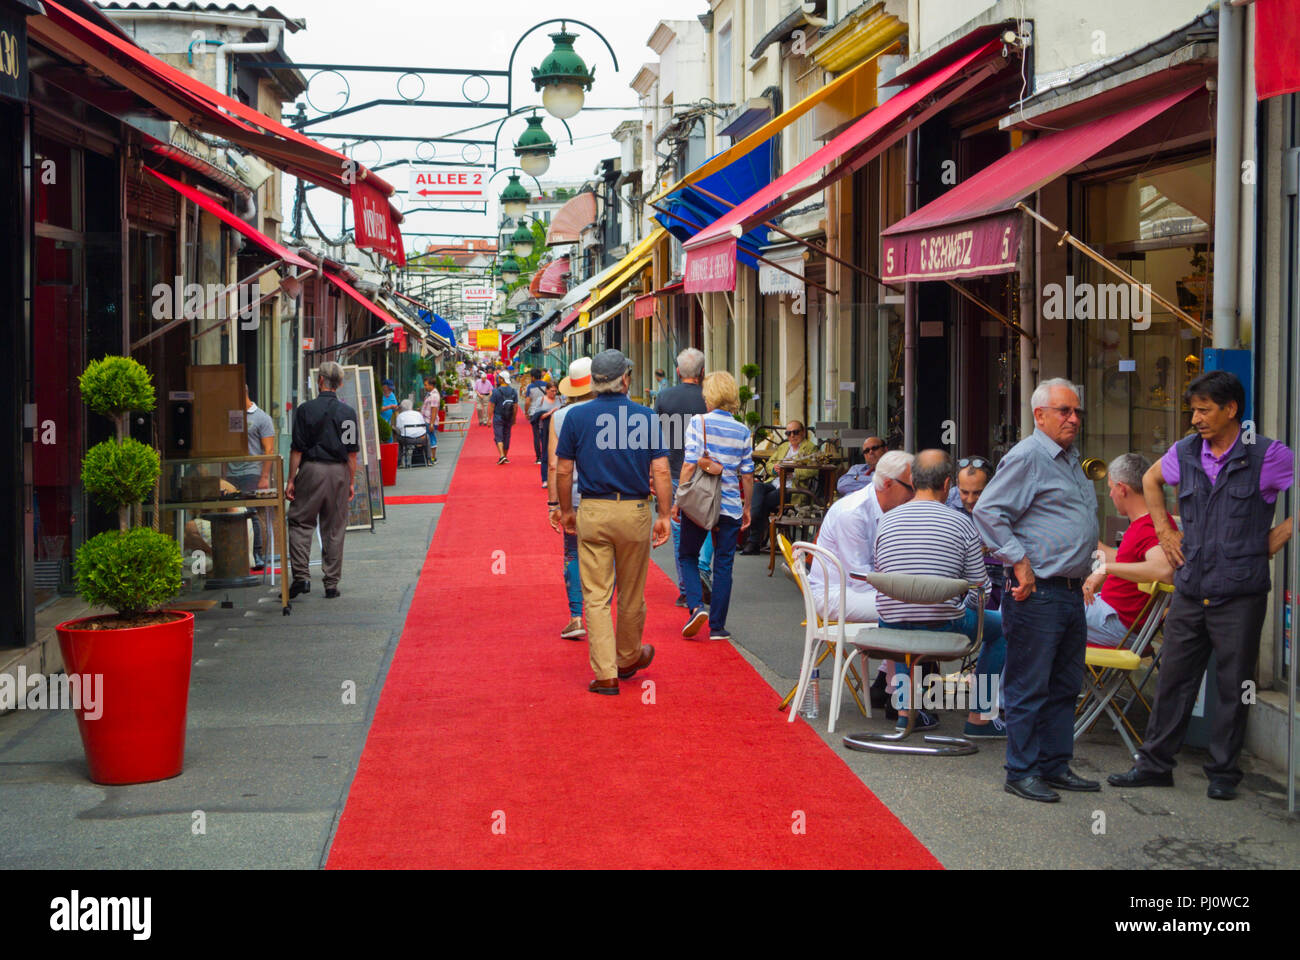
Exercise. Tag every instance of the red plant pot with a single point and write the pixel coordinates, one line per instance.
(388, 455)
(143, 678)
(442, 418)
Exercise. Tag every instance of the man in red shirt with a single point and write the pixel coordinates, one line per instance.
(1139, 559)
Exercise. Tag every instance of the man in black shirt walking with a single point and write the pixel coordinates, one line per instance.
(322, 472)
(675, 407)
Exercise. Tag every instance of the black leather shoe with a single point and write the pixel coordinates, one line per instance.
(1221, 790)
(1141, 778)
(1032, 788)
(298, 587)
(1072, 781)
(332, 593)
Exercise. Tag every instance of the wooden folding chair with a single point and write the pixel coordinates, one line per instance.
(818, 635)
(1109, 669)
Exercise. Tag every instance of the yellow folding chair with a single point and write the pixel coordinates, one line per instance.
(818, 635)
(1109, 669)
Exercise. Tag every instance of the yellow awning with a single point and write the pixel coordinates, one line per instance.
(637, 259)
(611, 312)
(775, 125)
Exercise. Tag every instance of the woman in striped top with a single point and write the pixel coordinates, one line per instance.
(718, 436)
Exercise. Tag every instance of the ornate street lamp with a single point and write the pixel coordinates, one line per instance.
(562, 77)
(521, 242)
(514, 198)
(510, 269)
(535, 148)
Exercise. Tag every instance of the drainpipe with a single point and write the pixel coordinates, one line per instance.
(1246, 234)
(200, 20)
(1227, 175)
(909, 314)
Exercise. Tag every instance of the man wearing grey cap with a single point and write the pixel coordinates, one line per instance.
(617, 448)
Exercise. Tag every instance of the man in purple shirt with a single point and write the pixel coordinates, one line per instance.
(1228, 483)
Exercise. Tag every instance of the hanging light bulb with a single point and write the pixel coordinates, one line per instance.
(535, 148)
(521, 241)
(514, 198)
(562, 77)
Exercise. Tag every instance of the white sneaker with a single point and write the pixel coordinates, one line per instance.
(575, 630)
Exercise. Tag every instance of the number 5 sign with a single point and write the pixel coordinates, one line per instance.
(436, 184)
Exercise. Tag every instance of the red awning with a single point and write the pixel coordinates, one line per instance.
(855, 147)
(974, 229)
(228, 218)
(1277, 38)
(644, 306)
(550, 282)
(571, 219)
(366, 302)
(672, 288)
(194, 104)
(571, 318)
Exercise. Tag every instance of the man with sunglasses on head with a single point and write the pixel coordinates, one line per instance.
(766, 497)
(859, 475)
(1039, 516)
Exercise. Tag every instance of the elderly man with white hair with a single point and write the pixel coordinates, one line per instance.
(849, 532)
(1039, 516)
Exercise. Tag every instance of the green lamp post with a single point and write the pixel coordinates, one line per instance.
(534, 148)
(514, 198)
(521, 241)
(562, 77)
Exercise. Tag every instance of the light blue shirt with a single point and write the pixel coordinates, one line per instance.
(855, 478)
(730, 445)
(1040, 505)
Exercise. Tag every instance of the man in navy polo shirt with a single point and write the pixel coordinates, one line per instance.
(617, 447)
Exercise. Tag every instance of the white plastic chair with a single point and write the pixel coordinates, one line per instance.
(818, 633)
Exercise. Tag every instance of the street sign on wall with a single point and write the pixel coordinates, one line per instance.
(436, 184)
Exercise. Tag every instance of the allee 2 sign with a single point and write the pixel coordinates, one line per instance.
(432, 184)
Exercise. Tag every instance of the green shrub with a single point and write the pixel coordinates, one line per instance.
(131, 572)
(385, 431)
(118, 474)
(745, 394)
(114, 385)
(750, 371)
(753, 418)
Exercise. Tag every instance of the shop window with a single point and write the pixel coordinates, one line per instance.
(1133, 366)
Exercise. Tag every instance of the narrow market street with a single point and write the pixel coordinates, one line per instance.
(471, 713)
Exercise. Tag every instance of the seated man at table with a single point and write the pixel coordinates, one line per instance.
(859, 475)
(926, 536)
(1139, 559)
(849, 532)
(766, 497)
(410, 425)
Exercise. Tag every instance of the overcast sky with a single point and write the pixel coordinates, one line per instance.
(477, 35)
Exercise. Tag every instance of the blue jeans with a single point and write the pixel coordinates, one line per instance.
(992, 655)
(706, 553)
(1045, 640)
(572, 582)
(694, 537)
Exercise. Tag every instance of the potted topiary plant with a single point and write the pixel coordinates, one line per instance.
(141, 655)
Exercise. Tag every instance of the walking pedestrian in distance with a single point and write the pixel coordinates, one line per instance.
(716, 438)
(503, 407)
(676, 406)
(545, 408)
(614, 444)
(322, 481)
(576, 388)
(1228, 485)
(1039, 514)
(534, 391)
(483, 387)
(252, 477)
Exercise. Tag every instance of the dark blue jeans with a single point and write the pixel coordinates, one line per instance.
(1046, 636)
(724, 553)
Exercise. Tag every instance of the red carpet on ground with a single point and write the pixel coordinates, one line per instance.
(487, 751)
(391, 501)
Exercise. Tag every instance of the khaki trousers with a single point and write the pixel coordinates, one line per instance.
(320, 493)
(613, 551)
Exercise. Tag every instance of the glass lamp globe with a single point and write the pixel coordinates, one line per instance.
(521, 241)
(534, 164)
(563, 100)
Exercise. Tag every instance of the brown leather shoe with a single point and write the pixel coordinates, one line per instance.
(643, 661)
(608, 687)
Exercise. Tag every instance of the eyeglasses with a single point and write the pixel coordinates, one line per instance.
(873, 449)
(902, 483)
(793, 433)
(976, 462)
(1066, 411)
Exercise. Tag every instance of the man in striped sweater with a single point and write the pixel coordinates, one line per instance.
(925, 536)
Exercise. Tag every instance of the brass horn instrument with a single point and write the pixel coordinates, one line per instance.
(1094, 468)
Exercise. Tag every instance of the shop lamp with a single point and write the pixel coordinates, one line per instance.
(514, 198)
(535, 149)
(521, 241)
(562, 77)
